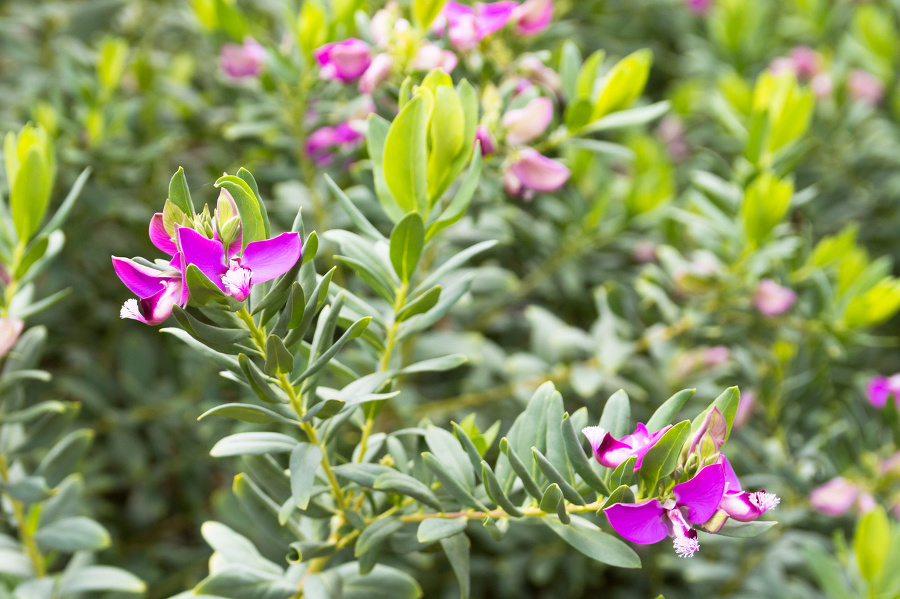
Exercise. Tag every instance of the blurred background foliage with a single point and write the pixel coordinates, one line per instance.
(638, 275)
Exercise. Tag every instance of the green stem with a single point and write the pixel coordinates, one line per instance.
(533, 512)
(31, 548)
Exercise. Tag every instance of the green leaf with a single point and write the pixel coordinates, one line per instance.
(623, 474)
(457, 207)
(662, 458)
(587, 538)
(99, 578)
(495, 491)
(623, 84)
(555, 477)
(179, 193)
(35, 411)
(453, 456)
(28, 489)
(65, 455)
(520, 469)
(253, 444)
(375, 534)
(242, 582)
(72, 534)
(622, 494)
(871, 543)
(587, 76)
(456, 549)
(727, 403)
(59, 217)
(616, 416)
(248, 178)
(375, 144)
(579, 460)
(828, 571)
(569, 65)
(446, 138)
(356, 216)
(383, 582)
(30, 193)
(278, 359)
(211, 334)
(248, 413)
(261, 384)
(635, 117)
(435, 529)
(397, 482)
(421, 304)
(407, 241)
(551, 498)
(364, 475)
(451, 484)
(253, 227)
(305, 460)
(203, 291)
(745, 530)
(425, 11)
(406, 157)
(665, 413)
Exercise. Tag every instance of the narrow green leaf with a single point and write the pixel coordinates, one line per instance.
(305, 460)
(278, 359)
(435, 529)
(407, 241)
(520, 469)
(253, 444)
(587, 538)
(495, 491)
(248, 413)
(745, 530)
(555, 477)
(623, 474)
(451, 484)
(425, 11)
(375, 534)
(179, 193)
(406, 155)
(72, 534)
(662, 458)
(397, 482)
(665, 413)
(616, 417)
(456, 548)
(871, 543)
(252, 225)
(579, 460)
(622, 494)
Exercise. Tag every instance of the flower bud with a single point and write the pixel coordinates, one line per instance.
(529, 122)
(376, 74)
(540, 73)
(344, 61)
(532, 171)
(483, 136)
(241, 61)
(834, 497)
(533, 16)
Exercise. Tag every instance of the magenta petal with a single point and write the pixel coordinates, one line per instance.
(143, 281)
(701, 495)
(206, 254)
(612, 452)
(271, 258)
(160, 237)
(155, 309)
(878, 390)
(731, 480)
(493, 17)
(737, 505)
(638, 522)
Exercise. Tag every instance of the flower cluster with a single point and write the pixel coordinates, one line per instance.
(211, 243)
(706, 498)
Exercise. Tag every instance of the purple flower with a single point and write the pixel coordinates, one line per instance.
(693, 502)
(10, 330)
(533, 16)
(741, 505)
(432, 56)
(699, 7)
(488, 145)
(865, 87)
(259, 262)
(469, 25)
(531, 171)
(529, 122)
(376, 74)
(834, 497)
(344, 61)
(611, 452)
(158, 290)
(240, 61)
(880, 388)
(772, 299)
(322, 144)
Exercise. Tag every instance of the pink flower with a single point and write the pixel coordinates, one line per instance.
(834, 497)
(671, 133)
(880, 388)
(865, 87)
(741, 505)
(10, 330)
(241, 61)
(611, 452)
(644, 252)
(533, 16)
(344, 61)
(540, 73)
(806, 61)
(488, 145)
(821, 85)
(432, 56)
(376, 74)
(890, 465)
(531, 171)
(699, 7)
(529, 122)
(716, 355)
(745, 408)
(469, 25)
(772, 299)
(322, 144)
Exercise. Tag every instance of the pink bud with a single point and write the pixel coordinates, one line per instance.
(488, 145)
(807, 62)
(529, 122)
(345, 134)
(344, 61)
(880, 388)
(716, 355)
(699, 7)
(865, 87)
(540, 73)
(535, 172)
(432, 56)
(745, 408)
(376, 74)
(821, 85)
(772, 299)
(834, 497)
(245, 60)
(533, 16)
(10, 330)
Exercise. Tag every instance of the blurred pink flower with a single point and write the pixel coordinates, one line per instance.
(10, 330)
(834, 497)
(324, 142)
(671, 133)
(529, 122)
(745, 408)
(807, 62)
(540, 73)
(531, 171)
(244, 60)
(432, 56)
(865, 87)
(468, 25)
(344, 61)
(880, 388)
(488, 145)
(821, 85)
(716, 355)
(376, 74)
(699, 7)
(644, 252)
(533, 16)
(890, 465)
(772, 299)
